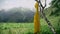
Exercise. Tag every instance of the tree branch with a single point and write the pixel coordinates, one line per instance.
(48, 22)
(41, 4)
(44, 16)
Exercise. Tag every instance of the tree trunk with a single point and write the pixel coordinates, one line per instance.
(48, 22)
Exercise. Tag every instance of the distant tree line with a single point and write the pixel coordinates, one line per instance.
(16, 15)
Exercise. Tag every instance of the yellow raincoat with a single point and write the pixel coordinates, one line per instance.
(36, 19)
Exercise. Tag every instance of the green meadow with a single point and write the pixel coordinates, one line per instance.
(28, 28)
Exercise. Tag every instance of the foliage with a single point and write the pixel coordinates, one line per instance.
(55, 4)
(16, 15)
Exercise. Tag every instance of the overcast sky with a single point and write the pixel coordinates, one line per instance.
(7, 4)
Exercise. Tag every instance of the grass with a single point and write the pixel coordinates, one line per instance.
(28, 28)
(16, 28)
